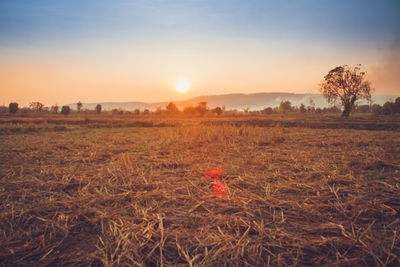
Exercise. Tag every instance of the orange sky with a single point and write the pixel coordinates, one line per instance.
(110, 72)
(61, 52)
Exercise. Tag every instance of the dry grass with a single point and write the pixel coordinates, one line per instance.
(136, 197)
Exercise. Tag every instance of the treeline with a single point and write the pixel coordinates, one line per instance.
(39, 108)
(171, 109)
(201, 109)
(286, 107)
(389, 108)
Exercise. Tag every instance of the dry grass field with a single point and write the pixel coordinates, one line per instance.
(125, 192)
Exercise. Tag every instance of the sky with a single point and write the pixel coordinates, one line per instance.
(61, 52)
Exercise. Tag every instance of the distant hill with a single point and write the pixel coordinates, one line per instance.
(257, 101)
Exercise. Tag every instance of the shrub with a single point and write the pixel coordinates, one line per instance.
(202, 108)
(172, 108)
(13, 108)
(362, 109)
(376, 109)
(397, 105)
(3, 109)
(98, 109)
(117, 112)
(267, 111)
(302, 108)
(285, 106)
(388, 108)
(217, 111)
(189, 110)
(65, 110)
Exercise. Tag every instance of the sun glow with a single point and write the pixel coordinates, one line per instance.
(182, 86)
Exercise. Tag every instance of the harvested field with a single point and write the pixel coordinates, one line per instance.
(125, 194)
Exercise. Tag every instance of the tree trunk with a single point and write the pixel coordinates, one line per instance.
(348, 106)
(346, 111)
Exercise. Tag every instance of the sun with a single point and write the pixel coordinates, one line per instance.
(182, 85)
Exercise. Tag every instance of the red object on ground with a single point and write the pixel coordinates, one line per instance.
(214, 173)
(219, 190)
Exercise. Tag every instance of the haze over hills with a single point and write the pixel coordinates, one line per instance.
(257, 101)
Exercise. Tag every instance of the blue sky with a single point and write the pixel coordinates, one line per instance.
(354, 21)
(313, 32)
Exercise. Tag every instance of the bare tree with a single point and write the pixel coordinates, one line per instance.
(348, 85)
(54, 109)
(37, 106)
(79, 106)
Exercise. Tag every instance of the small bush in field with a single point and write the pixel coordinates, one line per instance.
(98, 109)
(65, 110)
(13, 108)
